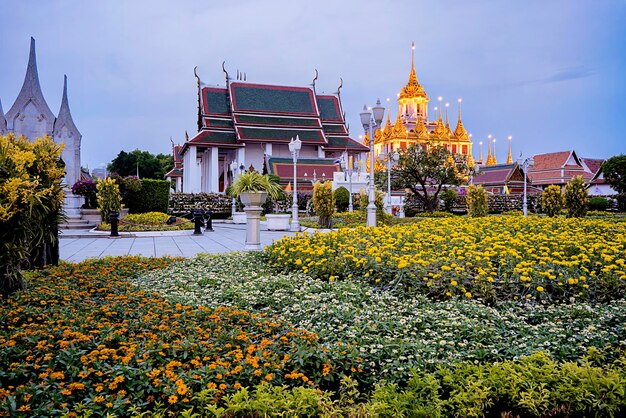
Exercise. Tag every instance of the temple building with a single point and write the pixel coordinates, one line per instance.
(246, 126)
(414, 126)
(31, 117)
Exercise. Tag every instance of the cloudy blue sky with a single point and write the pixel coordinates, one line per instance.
(552, 73)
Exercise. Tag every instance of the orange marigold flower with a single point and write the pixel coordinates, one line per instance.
(172, 399)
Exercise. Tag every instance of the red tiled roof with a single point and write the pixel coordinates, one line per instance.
(550, 161)
(593, 164)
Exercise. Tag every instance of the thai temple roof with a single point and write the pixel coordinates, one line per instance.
(246, 112)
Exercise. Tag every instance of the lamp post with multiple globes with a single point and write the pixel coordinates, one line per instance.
(370, 121)
(294, 148)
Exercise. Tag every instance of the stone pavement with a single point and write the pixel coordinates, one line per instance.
(75, 247)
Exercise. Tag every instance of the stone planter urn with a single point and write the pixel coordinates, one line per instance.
(252, 202)
(278, 221)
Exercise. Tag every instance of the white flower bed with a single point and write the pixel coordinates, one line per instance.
(394, 333)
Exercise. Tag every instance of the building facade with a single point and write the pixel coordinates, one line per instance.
(244, 125)
(31, 117)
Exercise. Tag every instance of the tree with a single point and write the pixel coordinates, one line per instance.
(448, 197)
(30, 205)
(425, 170)
(476, 201)
(614, 170)
(149, 165)
(576, 197)
(324, 203)
(552, 200)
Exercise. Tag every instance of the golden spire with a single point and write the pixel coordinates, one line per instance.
(387, 130)
(509, 158)
(495, 160)
(460, 132)
(399, 130)
(413, 88)
(421, 131)
(489, 159)
(378, 136)
(470, 159)
(448, 131)
(366, 139)
(480, 144)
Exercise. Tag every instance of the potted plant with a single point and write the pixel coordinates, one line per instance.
(253, 188)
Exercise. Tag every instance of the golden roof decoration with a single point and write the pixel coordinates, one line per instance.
(413, 88)
(440, 131)
(378, 136)
(460, 132)
(399, 130)
(421, 131)
(470, 161)
(387, 130)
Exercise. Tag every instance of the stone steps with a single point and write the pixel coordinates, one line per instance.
(77, 224)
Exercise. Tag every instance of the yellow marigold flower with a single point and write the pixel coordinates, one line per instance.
(172, 399)
(540, 289)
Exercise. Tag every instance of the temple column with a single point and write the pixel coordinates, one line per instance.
(191, 171)
(241, 157)
(214, 171)
(320, 152)
(268, 150)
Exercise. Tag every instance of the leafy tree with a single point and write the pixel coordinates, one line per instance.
(324, 202)
(476, 201)
(614, 170)
(552, 200)
(425, 170)
(342, 198)
(449, 197)
(576, 197)
(149, 165)
(109, 199)
(30, 206)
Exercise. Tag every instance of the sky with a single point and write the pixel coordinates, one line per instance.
(551, 73)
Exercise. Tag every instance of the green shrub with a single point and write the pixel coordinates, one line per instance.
(30, 203)
(476, 201)
(576, 197)
(153, 196)
(109, 199)
(342, 199)
(598, 204)
(448, 197)
(363, 199)
(324, 203)
(552, 200)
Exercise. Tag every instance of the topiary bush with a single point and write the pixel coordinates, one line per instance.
(476, 201)
(552, 200)
(598, 203)
(109, 199)
(324, 203)
(576, 197)
(153, 196)
(342, 199)
(448, 198)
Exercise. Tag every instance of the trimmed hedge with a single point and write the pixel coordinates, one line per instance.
(153, 196)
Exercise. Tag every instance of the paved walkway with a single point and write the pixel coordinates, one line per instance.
(225, 238)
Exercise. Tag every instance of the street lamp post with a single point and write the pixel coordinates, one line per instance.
(294, 148)
(233, 170)
(525, 163)
(348, 168)
(371, 120)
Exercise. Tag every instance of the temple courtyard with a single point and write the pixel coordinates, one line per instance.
(79, 246)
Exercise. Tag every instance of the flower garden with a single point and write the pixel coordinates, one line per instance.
(498, 316)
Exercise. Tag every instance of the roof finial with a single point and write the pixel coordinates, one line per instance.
(509, 158)
(315, 78)
(225, 72)
(340, 86)
(413, 55)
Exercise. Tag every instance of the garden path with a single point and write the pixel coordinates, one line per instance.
(225, 238)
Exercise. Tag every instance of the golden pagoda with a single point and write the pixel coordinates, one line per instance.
(412, 125)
